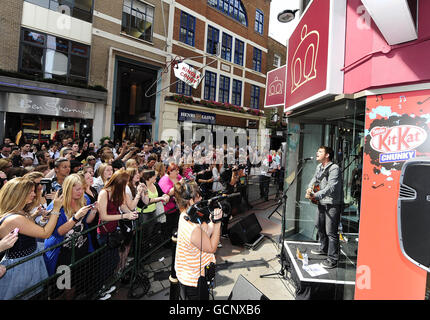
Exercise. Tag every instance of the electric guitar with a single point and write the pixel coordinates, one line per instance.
(315, 188)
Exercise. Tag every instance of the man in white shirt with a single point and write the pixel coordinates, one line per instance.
(25, 152)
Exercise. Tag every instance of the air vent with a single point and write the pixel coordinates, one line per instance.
(407, 193)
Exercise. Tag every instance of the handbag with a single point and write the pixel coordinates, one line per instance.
(114, 239)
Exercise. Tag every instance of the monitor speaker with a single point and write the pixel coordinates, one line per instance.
(245, 231)
(413, 212)
(244, 290)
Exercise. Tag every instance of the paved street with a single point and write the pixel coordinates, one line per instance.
(233, 261)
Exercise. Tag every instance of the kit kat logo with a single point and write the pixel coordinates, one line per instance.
(397, 139)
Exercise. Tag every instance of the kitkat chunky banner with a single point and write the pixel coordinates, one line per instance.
(397, 128)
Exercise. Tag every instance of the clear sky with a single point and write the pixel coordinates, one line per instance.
(282, 31)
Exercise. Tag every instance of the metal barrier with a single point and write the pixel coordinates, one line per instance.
(95, 272)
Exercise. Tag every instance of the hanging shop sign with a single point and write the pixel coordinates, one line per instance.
(275, 84)
(196, 116)
(187, 74)
(50, 106)
(316, 54)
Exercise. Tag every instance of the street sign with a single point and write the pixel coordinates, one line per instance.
(187, 74)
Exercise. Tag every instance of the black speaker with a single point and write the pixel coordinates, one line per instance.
(244, 290)
(246, 230)
(413, 212)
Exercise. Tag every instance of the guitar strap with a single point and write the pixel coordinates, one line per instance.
(325, 173)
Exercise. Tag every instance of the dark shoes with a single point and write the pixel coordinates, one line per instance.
(319, 252)
(328, 264)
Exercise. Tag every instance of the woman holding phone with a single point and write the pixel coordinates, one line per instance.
(14, 196)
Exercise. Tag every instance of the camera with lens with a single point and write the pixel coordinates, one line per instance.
(203, 211)
(239, 167)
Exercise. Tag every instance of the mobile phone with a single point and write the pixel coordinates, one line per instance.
(47, 185)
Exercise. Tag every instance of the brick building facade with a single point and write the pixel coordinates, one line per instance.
(109, 59)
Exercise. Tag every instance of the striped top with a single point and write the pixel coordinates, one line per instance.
(187, 258)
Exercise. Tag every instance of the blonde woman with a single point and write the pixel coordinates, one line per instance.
(104, 171)
(73, 220)
(14, 197)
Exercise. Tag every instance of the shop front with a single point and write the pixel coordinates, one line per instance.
(29, 117)
(181, 122)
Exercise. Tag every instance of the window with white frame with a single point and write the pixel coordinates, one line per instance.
(226, 50)
(212, 40)
(210, 86)
(259, 21)
(224, 89)
(236, 98)
(276, 60)
(255, 97)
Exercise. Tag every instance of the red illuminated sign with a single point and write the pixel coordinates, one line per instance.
(316, 54)
(275, 87)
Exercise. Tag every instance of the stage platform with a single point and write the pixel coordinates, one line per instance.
(337, 284)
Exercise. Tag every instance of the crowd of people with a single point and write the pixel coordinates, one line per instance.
(52, 192)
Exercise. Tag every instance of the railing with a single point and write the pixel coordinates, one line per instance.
(91, 273)
(95, 270)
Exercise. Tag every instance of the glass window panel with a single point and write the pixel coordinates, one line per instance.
(34, 37)
(80, 49)
(56, 63)
(78, 66)
(58, 44)
(31, 58)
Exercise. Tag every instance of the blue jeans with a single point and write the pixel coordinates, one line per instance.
(328, 223)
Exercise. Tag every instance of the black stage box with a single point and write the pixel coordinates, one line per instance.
(337, 284)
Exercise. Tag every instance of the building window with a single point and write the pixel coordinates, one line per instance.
(183, 88)
(276, 60)
(213, 39)
(255, 97)
(79, 9)
(237, 93)
(53, 57)
(227, 41)
(224, 89)
(238, 52)
(138, 19)
(232, 8)
(210, 86)
(187, 29)
(259, 21)
(256, 60)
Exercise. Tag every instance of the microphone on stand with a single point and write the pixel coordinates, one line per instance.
(306, 159)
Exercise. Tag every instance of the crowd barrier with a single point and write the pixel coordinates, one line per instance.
(92, 274)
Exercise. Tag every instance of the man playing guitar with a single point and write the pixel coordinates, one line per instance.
(325, 189)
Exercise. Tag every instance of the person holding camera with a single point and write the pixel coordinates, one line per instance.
(196, 244)
(72, 223)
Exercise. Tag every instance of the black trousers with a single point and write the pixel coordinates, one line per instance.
(193, 293)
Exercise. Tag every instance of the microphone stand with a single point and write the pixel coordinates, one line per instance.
(283, 202)
(283, 199)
